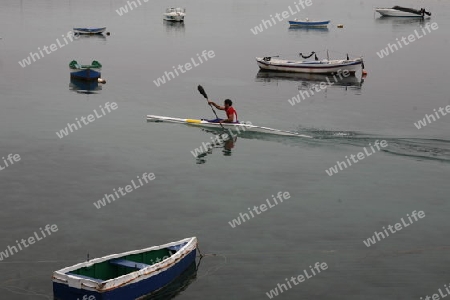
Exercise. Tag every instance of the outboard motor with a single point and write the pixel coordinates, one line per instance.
(424, 12)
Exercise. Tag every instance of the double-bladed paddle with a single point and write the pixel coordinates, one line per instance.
(202, 91)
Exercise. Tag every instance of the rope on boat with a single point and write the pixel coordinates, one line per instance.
(213, 269)
(200, 252)
(307, 56)
(205, 255)
(324, 52)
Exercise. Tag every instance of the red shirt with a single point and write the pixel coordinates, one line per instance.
(230, 112)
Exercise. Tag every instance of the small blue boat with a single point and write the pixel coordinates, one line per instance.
(128, 275)
(308, 23)
(85, 72)
(98, 30)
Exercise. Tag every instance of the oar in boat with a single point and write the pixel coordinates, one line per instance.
(202, 91)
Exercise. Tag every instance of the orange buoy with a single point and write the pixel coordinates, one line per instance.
(364, 74)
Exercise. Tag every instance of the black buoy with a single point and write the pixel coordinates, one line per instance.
(108, 33)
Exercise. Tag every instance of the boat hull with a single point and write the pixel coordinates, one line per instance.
(86, 75)
(137, 285)
(313, 24)
(174, 18)
(389, 12)
(84, 87)
(312, 67)
(89, 30)
(236, 127)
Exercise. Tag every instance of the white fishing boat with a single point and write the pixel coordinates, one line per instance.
(236, 127)
(316, 66)
(175, 14)
(398, 11)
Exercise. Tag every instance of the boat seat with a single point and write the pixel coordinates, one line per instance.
(178, 247)
(86, 277)
(128, 263)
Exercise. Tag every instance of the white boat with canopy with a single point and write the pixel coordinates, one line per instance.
(175, 14)
(399, 11)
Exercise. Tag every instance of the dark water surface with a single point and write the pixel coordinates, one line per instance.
(327, 217)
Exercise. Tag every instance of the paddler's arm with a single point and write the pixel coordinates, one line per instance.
(215, 105)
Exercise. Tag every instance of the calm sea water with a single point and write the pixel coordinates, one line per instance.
(327, 217)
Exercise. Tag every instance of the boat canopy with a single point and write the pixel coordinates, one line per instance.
(175, 10)
(422, 11)
(94, 65)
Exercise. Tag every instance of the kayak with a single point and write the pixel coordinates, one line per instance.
(238, 127)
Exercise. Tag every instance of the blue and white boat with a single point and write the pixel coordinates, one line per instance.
(309, 23)
(85, 72)
(94, 30)
(128, 275)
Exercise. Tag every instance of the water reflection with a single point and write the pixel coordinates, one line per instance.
(84, 87)
(95, 37)
(400, 21)
(310, 81)
(174, 288)
(226, 140)
(296, 30)
(174, 27)
(223, 141)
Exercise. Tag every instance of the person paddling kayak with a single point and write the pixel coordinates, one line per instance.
(229, 110)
